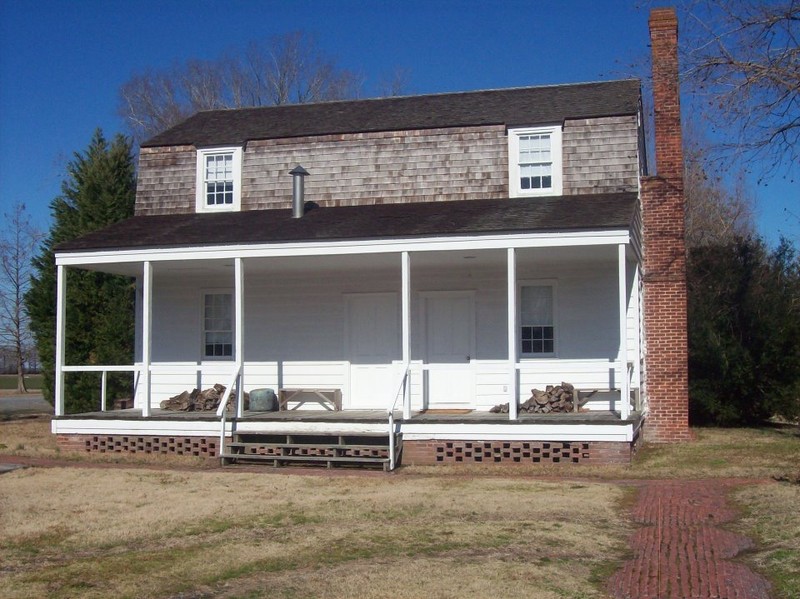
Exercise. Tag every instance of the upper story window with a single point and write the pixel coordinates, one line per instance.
(219, 179)
(534, 161)
(537, 319)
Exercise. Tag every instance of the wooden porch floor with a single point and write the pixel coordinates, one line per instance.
(596, 417)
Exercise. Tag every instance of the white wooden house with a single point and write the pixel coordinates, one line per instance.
(439, 255)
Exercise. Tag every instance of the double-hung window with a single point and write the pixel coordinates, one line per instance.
(219, 179)
(537, 319)
(534, 161)
(217, 325)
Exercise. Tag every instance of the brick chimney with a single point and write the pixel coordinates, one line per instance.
(664, 277)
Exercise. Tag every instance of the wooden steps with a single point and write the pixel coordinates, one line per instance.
(350, 449)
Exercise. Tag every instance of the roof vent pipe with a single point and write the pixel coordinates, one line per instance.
(298, 173)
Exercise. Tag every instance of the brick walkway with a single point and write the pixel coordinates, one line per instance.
(682, 551)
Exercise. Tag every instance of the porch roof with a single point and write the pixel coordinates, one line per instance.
(596, 212)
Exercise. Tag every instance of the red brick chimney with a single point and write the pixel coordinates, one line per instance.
(666, 352)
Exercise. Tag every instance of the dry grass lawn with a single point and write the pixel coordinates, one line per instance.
(193, 532)
(75, 532)
(771, 517)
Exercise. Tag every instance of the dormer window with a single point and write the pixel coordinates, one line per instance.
(219, 179)
(534, 161)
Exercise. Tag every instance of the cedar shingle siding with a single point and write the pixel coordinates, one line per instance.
(426, 165)
(375, 168)
(166, 181)
(600, 155)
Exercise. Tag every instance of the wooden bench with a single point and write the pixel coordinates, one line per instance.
(330, 399)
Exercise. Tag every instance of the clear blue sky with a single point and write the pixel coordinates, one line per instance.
(62, 63)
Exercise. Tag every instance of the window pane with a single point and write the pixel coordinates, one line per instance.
(218, 324)
(536, 314)
(219, 179)
(537, 305)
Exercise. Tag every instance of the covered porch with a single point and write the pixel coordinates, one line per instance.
(417, 326)
(415, 331)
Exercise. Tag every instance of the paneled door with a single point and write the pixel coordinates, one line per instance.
(449, 347)
(373, 342)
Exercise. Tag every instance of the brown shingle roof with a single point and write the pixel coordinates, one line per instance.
(382, 221)
(510, 107)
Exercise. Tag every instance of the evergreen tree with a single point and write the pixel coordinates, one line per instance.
(98, 191)
(744, 332)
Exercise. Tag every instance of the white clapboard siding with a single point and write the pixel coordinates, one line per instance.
(260, 375)
(584, 374)
(320, 375)
(491, 383)
(168, 379)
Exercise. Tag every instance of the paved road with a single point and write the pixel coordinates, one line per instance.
(19, 405)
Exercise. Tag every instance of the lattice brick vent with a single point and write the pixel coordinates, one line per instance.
(534, 452)
(195, 446)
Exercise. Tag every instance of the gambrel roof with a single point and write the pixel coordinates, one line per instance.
(593, 212)
(514, 107)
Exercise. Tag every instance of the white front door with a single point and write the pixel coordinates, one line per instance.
(449, 347)
(373, 342)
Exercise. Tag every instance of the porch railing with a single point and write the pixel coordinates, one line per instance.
(223, 403)
(403, 389)
(104, 370)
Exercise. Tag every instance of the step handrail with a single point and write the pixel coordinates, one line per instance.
(402, 388)
(223, 404)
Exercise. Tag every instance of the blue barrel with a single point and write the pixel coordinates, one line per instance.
(263, 400)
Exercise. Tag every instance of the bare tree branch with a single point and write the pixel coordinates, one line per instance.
(717, 211)
(286, 69)
(742, 59)
(18, 242)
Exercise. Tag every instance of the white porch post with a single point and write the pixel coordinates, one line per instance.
(406, 328)
(624, 386)
(61, 291)
(513, 394)
(147, 332)
(239, 324)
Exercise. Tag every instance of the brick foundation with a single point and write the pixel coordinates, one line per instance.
(431, 453)
(204, 447)
(414, 452)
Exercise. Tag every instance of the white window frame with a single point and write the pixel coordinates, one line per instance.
(217, 291)
(553, 284)
(200, 200)
(514, 188)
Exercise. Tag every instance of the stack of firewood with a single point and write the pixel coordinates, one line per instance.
(200, 401)
(555, 398)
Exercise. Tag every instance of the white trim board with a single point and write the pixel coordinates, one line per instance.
(398, 245)
(623, 432)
